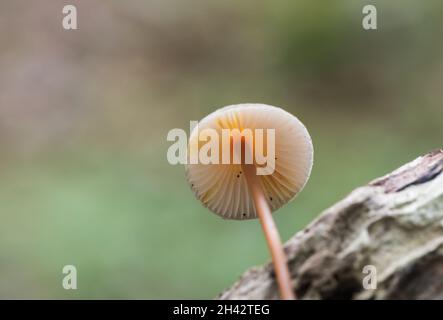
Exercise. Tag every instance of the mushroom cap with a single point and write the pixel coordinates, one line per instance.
(223, 189)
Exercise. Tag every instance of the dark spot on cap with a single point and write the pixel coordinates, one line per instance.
(270, 198)
(238, 176)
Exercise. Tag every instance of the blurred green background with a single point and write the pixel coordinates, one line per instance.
(84, 116)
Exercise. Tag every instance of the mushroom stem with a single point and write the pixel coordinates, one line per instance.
(270, 231)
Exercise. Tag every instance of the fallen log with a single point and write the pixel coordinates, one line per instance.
(390, 230)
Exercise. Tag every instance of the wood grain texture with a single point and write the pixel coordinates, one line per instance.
(394, 223)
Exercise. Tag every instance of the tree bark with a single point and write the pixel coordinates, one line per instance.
(395, 223)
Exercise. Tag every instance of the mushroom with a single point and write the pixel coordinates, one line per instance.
(236, 191)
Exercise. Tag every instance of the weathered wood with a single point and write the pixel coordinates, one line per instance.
(395, 223)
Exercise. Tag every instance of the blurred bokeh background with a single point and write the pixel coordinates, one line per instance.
(84, 116)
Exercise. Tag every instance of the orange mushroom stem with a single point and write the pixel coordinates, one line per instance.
(269, 228)
(271, 233)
